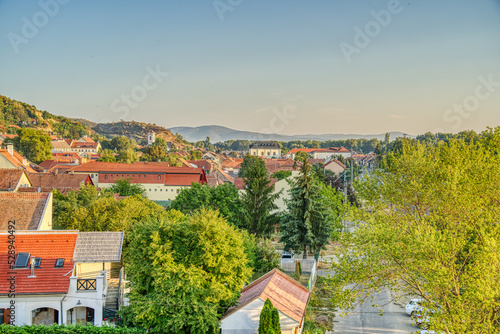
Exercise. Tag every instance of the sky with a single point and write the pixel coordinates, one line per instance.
(287, 67)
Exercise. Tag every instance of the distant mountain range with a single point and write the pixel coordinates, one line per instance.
(220, 133)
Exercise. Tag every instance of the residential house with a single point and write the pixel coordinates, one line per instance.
(334, 166)
(4, 136)
(161, 182)
(29, 211)
(287, 295)
(60, 277)
(10, 158)
(206, 165)
(321, 153)
(84, 147)
(265, 149)
(13, 179)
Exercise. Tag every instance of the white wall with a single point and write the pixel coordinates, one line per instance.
(246, 320)
(25, 304)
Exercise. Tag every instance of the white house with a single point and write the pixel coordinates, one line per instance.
(287, 295)
(265, 149)
(51, 276)
(161, 182)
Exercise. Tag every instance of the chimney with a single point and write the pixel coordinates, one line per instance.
(32, 267)
(10, 148)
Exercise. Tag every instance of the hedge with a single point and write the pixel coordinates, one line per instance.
(70, 329)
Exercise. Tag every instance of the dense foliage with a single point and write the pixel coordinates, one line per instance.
(431, 230)
(69, 329)
(185, 271)
(124, 187)
(258, 198)
(224, 198)
(33, 144)
(313, 214)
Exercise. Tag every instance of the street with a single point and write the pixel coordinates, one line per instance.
(365, 319)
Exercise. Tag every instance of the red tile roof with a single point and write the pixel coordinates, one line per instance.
(47, 245)
(17, 160)
(9, 178)
(179, 176)
(307, 150)
(62, 182)
(336, 162)
(287, 295)
(202, 163)
(25, 208)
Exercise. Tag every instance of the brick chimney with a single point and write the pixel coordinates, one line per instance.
(10, 148)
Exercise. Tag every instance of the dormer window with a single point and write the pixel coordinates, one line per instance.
(38, 262)
(59, 263)
(22, 260)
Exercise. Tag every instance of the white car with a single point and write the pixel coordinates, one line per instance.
(414, 306)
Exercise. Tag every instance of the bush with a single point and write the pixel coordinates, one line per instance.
(70, 329)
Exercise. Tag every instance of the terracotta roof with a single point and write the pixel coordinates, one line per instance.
(47, 245)
(202, 163)
(213, 180)
(315, 161)
(98, 247)
(287, 295)
(25, 208)
(79, 144)
(333, 150)
(334, 161)
(17, 160)
(9, 178)
(60, 144)
(307, 150)
(223, 176)
(48, 164)
(62, 182)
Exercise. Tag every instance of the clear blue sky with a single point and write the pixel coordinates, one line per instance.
(243, 64)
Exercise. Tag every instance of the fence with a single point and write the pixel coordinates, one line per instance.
(307, 265)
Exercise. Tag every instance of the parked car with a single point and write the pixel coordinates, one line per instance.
(414, 306)
(286, 257)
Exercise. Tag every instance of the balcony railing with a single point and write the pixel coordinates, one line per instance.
(86, 284)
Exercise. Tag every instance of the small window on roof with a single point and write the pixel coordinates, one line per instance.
(38, 262)
(22, 260)
(59, 263)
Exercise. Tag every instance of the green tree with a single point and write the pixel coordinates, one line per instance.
(128, 156)
(258, 199)
(248, 164)
(125, 188)
(282, 174)
(269, 321)
(196, 267)
(301, 156)
(160, 142)
(195, 155)
(173, 160)
(121, 143)
(33, 144)
(224, 198)
(107, 156)
(154, 153)
(431, 230)
(309, 221)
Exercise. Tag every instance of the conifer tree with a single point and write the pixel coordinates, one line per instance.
(309, 220)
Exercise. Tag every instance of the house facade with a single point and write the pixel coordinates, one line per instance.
(265, 149)
(30, 211)
(44, 284)
(161, 182)
(288, 296)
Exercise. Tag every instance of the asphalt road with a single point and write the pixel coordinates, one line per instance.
(366, 319)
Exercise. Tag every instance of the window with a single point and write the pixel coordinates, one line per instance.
(38, 262)
(149, 189)
(105, 176)
(159, 177)
(22, 260)
(59, 263)
(156, 189)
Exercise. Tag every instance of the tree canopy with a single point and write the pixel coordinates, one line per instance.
(224, 198)
(33, 144)
(125, 188)
(184, 271)
(431, 229)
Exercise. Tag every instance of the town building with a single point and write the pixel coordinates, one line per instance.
(265, 149)
(13, 179)
(160, 181)
(151, 137)
(29, 211)
(60, 277)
